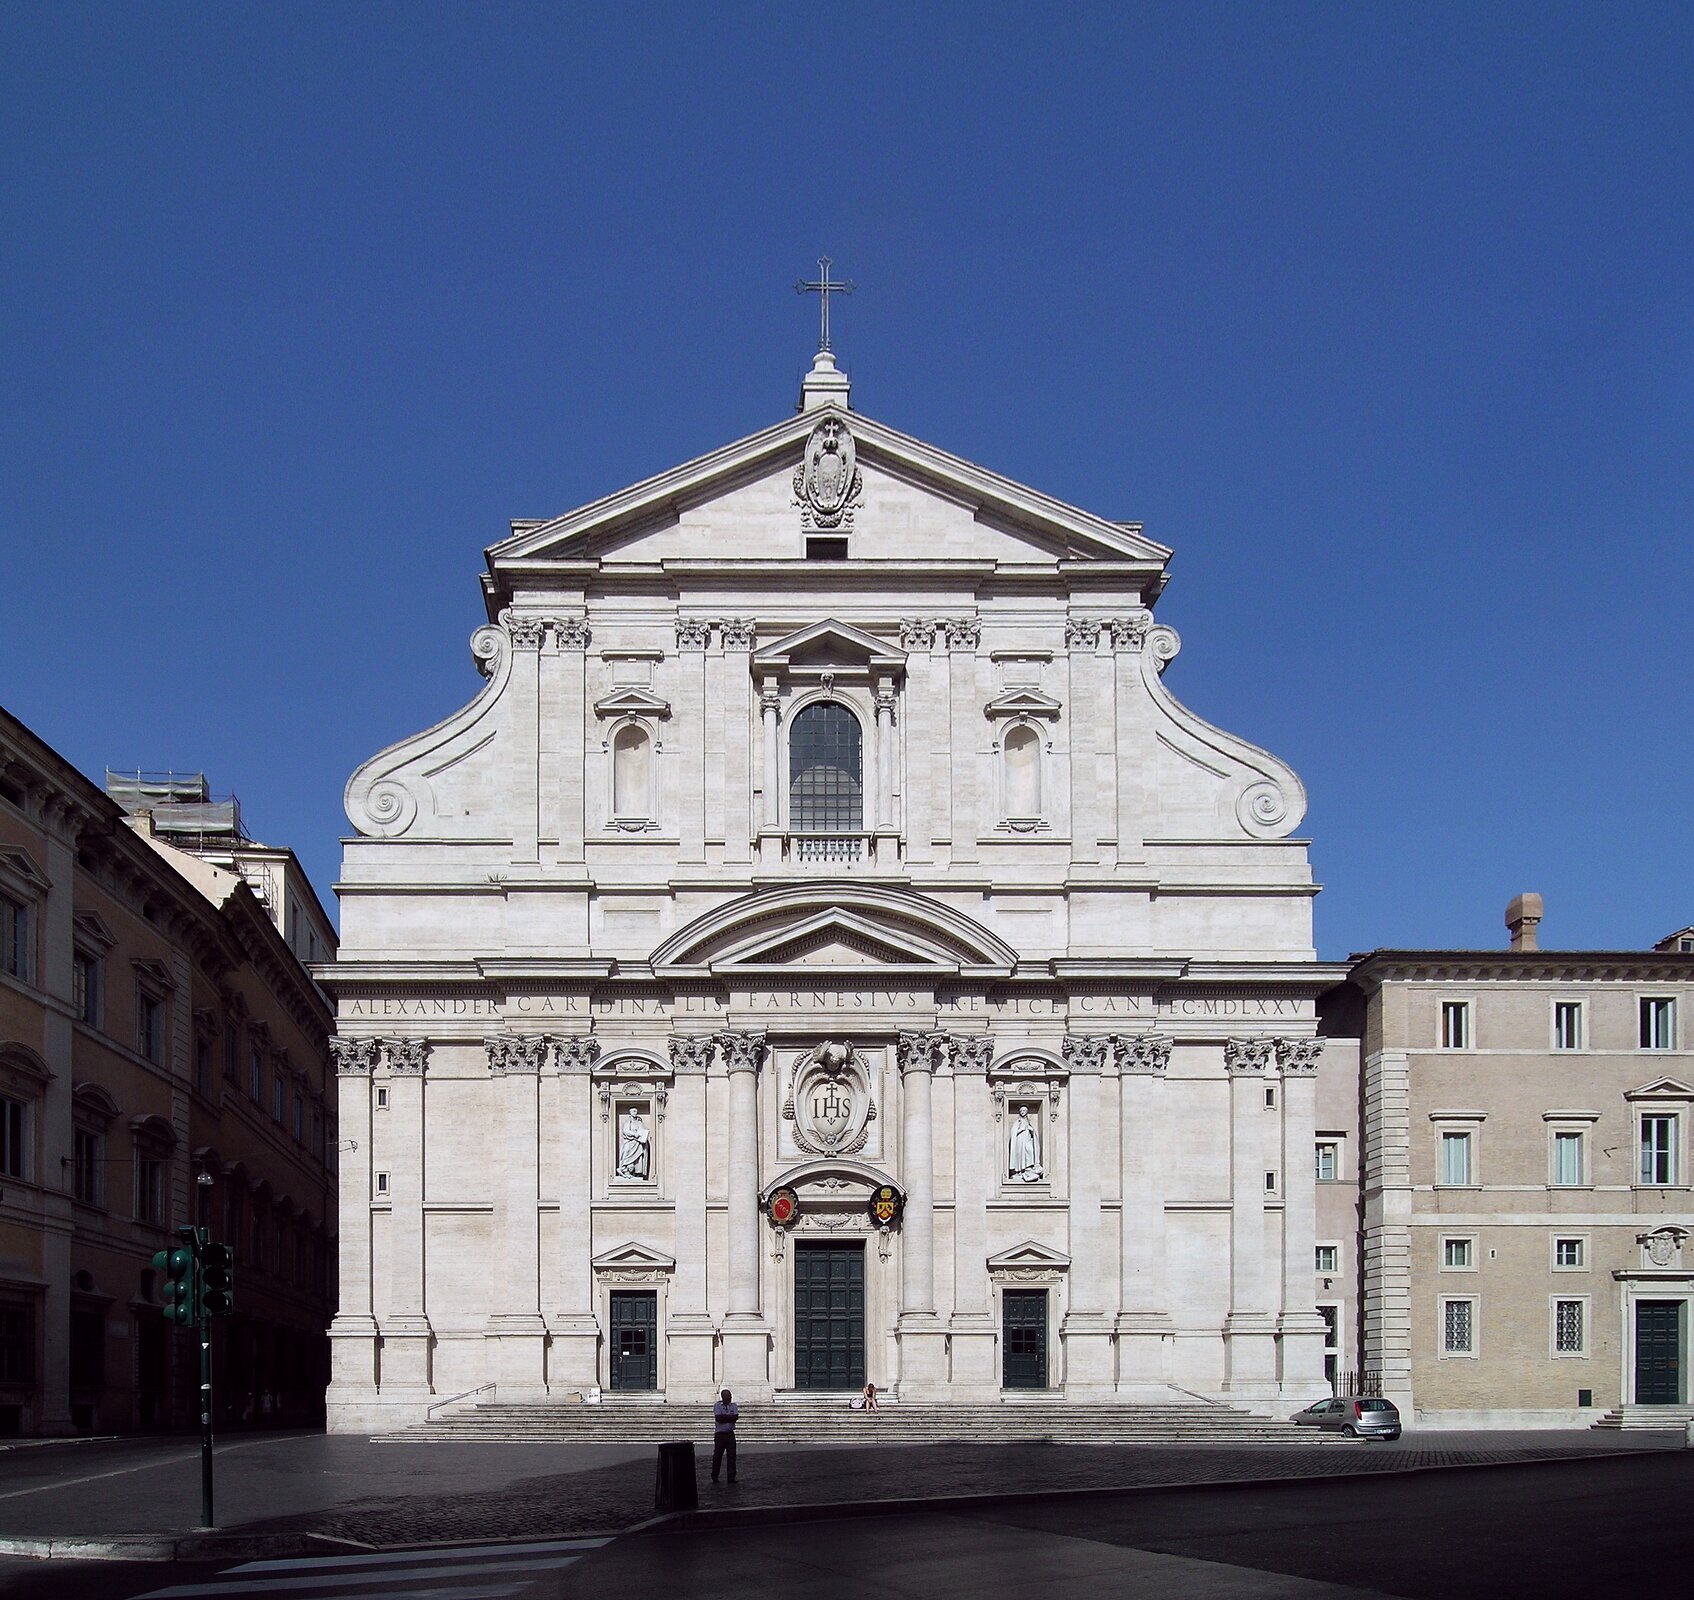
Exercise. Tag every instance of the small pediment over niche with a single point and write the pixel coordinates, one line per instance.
(631, 701)
(1029, 1257)
(633, 1257)
(838, 938)
(1662, 1089)
(1022, 703)
(829, 644)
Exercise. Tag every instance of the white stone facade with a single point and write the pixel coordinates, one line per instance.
(651, 982)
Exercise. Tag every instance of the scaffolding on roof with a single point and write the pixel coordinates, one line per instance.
(182, 805)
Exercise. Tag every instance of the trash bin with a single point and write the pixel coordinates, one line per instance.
(676, 1489)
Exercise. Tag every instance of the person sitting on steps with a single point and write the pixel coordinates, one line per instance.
(870, 1397)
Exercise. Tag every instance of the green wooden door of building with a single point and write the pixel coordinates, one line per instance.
(635, 1340)
(1658, 1352)
(1023, 1335)
(829, 1315)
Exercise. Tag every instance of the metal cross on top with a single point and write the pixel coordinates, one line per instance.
(824, 288)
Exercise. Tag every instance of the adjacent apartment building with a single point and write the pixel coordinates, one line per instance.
(1525, 1189)
(163, 1060)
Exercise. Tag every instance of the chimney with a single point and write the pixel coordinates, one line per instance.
(1523, 917)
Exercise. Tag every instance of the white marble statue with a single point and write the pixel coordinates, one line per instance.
(634, 1147)
(1023, 1163)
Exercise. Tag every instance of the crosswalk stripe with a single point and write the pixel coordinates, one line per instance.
(440, 1579)
(458, 1552)
(435, 1591)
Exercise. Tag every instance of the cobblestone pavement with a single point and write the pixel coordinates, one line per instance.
(619, 1496)
(390, 1494)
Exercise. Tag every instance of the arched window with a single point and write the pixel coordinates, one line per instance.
(1021, 754)
(825, 770)
(632, 771)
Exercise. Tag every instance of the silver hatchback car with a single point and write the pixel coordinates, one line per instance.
(1358, 1416)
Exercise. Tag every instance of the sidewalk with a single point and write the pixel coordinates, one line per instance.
(285, 1490)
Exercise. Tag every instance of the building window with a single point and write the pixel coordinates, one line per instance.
(150, 1025)
(825, 770)
(1328, 1161)
(232, 1054)
(1455, 1024)
(1567, 1159)
(381, 1185)
(632, 772)
(1458, 1327)
(1331, 1315)
(1568, 1254)
(826, 547)
(202, 1066)
(87, 1165)
(1270, 1183)
(1567, 1024)
(1457, 1167)
(17, 1343)
(277, 1095)
(1328, 1260)
(1020, 754)
(1658, 1149)
(14, 937)
(150, 1190)
(299, 1118)
(14, 1140)
(382, 1098)
(1458, 1255)
(1270, 1098)
(85, 987)
(1658, 1023)
(1570, 1328)
(256, 1251)
(256, 1075)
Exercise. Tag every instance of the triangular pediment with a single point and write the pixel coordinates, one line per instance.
(1022, 703)
(838, 939)
(829, 643)
(633, 1256)
(1662, 1089)
(632, 702)
(1030, 1254)
(866, 925)
(1060, 530)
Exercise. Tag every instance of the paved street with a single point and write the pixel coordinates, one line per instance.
(1579, 1527)
(379, 1495)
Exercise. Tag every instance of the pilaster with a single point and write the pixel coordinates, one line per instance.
(353, 1332)
(1250, 1330)
(407, 1337)
(689, 1332)
(920, 1332)
(971, 1326)
(516, 1325)
(1144, 1327)
(574, 1360)
(746, 1333)
(1387, 1254)
(1300, 1328)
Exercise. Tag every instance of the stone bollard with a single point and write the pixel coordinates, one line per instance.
(676, 1489)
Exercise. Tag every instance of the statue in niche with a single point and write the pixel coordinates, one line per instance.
(1023, 1156)
(635, 1153)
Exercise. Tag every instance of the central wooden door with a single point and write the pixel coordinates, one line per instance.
(1658, 1352)
(635, 1340)
(829, 1315)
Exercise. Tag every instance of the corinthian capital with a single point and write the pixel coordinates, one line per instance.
(1299, 1057)
(737, 633)
(1245, 1055)
(526, 632)
(692, 633)
(571, 633)
(1084, 631)
(919, 1052)
(354, 1058)
(742, 1052)
(516, 1053)
(1084, 1052)
(1129, 632)
(575, 1053)
(1148, 1053)
(691, 1052)
(406, 1057)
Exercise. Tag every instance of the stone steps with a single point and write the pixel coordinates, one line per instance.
(834, 1421)
(1630, 1418)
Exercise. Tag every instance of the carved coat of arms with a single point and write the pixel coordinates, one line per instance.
(827, 483)
(830, 1102)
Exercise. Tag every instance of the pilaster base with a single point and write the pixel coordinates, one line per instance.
(746, 1356)
(1302, 1341)
(573, 1352)
(1086, 1338)
(352, 1355)
(519, 1365)
(923, 1356)
(1144, 1351)
(688, 1357)
(973, 1372)
(1249, 1344)
(404, 1355)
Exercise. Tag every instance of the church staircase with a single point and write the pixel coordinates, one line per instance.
(830, 1421)
(1633, 1418)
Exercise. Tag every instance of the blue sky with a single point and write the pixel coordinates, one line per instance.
(1382, 316)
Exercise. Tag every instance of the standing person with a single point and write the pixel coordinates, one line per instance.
(724, 1414)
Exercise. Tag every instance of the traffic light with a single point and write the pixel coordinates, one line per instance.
(217, 1279)
(178, 1267)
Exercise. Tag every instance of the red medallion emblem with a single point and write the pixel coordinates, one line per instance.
(783, 1207)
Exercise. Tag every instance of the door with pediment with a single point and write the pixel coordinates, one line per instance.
(829, 1315)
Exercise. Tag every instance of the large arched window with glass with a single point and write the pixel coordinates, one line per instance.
(826, 790)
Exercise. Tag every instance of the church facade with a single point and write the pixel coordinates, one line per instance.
(824, 951)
